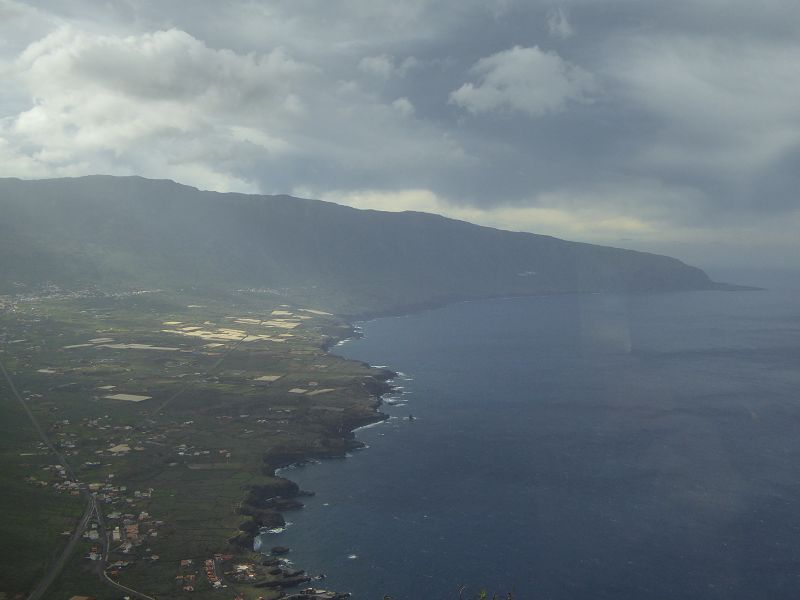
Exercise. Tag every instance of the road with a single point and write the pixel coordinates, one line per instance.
(54, 570)
(128, 590)
(39, 431)
(92, 510)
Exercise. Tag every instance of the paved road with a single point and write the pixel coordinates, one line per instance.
(128, 590)
(54, 570)
(39, 431)
(104, 565)
(92, 510)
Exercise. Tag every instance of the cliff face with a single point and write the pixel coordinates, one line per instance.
(129, 231)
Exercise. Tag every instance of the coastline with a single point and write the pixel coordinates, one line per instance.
(266, 508)
(202, 470)
(280, 464)
(343, 485)
(254, 483)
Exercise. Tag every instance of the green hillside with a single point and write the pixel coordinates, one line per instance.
(131, 232)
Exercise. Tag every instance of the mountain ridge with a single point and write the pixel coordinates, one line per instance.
(132, 231)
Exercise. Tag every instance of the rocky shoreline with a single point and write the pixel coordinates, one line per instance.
(263, 506)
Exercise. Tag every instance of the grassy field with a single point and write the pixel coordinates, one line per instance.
(178, 466)
(33, 516)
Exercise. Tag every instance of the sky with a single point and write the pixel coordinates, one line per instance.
(670, 127)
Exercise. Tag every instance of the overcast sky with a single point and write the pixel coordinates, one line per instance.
(664, 126)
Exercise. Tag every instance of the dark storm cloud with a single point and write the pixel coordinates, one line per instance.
(596, 120)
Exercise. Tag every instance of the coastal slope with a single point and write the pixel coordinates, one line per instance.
(130, 231)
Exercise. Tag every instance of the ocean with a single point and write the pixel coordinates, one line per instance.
(570, 447)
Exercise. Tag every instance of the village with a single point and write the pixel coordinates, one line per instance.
(162, 418)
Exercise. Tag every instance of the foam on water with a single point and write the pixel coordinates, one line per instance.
(549, 456)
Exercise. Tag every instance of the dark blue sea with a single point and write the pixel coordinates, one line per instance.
(571, 447)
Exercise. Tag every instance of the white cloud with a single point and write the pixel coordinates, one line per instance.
(165, 104)
(385, 67)
(148, 104)
(526, 80)
(381, 66)
(558, 23)
(548, 215)
(165, 65)
(22, 22)
(698, 113)
(404, 106)
(727, 107)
